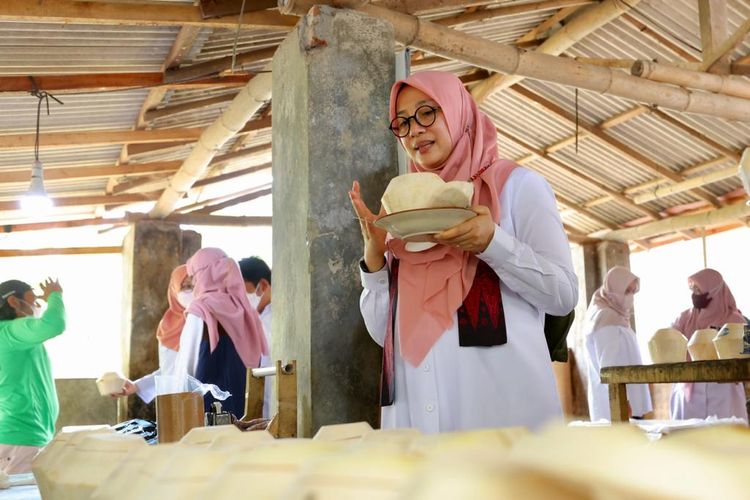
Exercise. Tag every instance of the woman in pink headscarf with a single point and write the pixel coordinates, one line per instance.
(168, 332)
(222, 335)
(611, 342)
(462, 323)
(713, 306)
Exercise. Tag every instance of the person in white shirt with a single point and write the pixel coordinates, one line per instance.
(462, 323)
(257, 277)
(610, 341)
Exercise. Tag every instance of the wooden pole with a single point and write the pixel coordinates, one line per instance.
(585, 22)
(722, 84)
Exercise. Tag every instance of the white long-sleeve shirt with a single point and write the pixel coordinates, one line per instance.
(513, 384)
(171, 362)
(613, 346)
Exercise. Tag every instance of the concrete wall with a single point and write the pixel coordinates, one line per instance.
(81, 404)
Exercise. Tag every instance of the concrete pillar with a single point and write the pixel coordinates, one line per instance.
(331, 83)
(151, 251)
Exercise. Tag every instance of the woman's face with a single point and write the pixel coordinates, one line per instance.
(428, 147)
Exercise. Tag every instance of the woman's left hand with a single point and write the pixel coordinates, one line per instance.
(474, 235)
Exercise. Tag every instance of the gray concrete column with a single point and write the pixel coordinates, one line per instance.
(331, 84)
(151, 250)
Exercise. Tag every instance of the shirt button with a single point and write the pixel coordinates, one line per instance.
(429, 408)
(427, 367)
(381, 281)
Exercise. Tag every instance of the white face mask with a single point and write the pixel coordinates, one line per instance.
(185, 297)
(36, 309)
(254, 299)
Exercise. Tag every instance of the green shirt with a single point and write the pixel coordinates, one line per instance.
(28, 400)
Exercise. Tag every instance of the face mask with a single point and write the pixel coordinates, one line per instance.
(628, 301)
(254, 299)
(185, 297)
(36, 310)
(700, 300)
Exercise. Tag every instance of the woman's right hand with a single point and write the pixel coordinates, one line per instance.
(128, 388)
(373, 236)
(48, 287)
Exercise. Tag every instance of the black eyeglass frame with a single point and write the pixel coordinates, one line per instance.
(393, 127)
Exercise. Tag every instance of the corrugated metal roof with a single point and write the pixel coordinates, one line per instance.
(94, 111)
(61, 157)
(63, 49)
(47, 48)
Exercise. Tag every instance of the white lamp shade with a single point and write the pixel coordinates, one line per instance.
(36, 198)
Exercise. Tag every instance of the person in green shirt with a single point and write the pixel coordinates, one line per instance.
(28, 400)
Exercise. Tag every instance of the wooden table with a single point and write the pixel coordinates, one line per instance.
(723, 370)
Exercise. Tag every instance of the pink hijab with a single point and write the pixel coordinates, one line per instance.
(170, 327)
(722, 308)
(433, 284)
(610, 306)
(219, 297)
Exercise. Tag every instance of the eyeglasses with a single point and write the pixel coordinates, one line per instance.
(424, 116)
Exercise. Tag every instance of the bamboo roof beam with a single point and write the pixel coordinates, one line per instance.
(211, 208)
(478, 51)
(548, 24)
(110, 137)
(122, 14)
(190, 219)
(419, 6)
(252, 97)
(92, 172)
(712, 17)
(726, 47)
(680, 223)
(585, 22)
(232, 175)
(199, 205)
(601, 136)
(83, 201)
(721, 84)
(60, 84)
(509, 10)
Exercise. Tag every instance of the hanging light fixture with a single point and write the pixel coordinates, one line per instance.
(36, 198)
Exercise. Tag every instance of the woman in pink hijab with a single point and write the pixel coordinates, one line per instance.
(462, 323)
(222, 335)
(713, 306)
(610, 341)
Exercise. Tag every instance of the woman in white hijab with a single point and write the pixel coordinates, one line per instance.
(610, 341)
